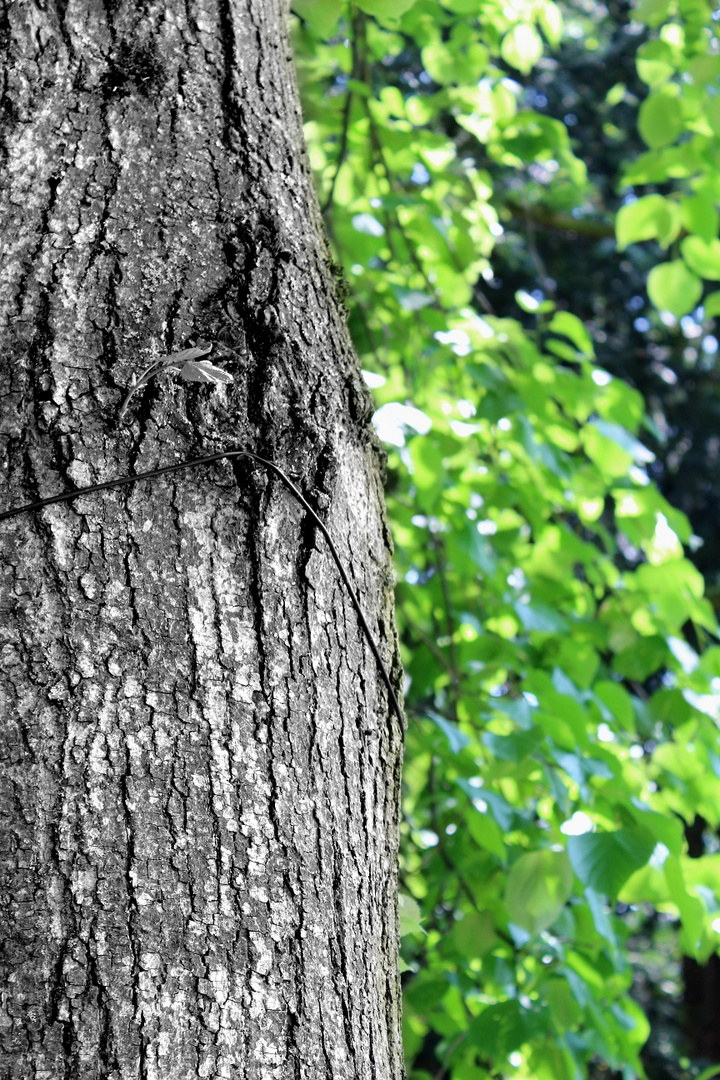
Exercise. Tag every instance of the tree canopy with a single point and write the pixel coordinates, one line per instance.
(523, 203)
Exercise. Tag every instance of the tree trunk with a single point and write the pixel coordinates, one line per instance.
(201, 794)
(701, 982)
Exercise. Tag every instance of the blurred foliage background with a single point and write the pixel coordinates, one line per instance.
(522, 198)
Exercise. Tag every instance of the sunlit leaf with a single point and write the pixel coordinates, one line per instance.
(605, 860)
(204, 371)
(702, 256)
(660, 119)
(538, 887)
(522, 47)
(649, 218)
(674, 288)
(409, 915)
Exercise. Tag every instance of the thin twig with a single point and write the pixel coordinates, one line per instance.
(425, 639)
(356, 72)
(376, 144)
(142, 380)
(547, 283)
(439, 551)
(208, 459)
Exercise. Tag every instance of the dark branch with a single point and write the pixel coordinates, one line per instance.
(208, 459)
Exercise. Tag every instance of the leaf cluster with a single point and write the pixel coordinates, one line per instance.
(186, 363)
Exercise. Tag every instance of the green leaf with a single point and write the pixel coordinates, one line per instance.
(412, 299)
(540, 617)
(616, 94)
(567, 324)
(477, 548)
(320, 15)
(550, 20)
(649, 218)
(660, 119)
(501, 810)
(652, 12)
(562, 1002)
(521, 47)
(618, 703)
(709, 1073)
(474, 935)
(700, 217)
(368, 225)
(528, 303)
(552, 1061)
(602, 919)
(514, 747)
(702, 256)
(502, 1027)
(449, 64)
(621, 437)
(674, 288)
(655, 62)
(609, 454)
(581, 768)
(486, 832)
(642, 659)
(385, 9)
(657, 166)
(457, 739)
(538, 887)
(409, 915)
(604, 861)
(691, 908)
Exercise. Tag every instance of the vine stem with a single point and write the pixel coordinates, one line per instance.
(142, 380)
(208, 459)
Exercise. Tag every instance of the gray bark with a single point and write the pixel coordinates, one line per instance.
(201, 788)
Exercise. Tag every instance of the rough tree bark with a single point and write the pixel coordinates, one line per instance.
(201, 793)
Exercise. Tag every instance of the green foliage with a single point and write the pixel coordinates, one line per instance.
(673, 287)
(562, 671)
